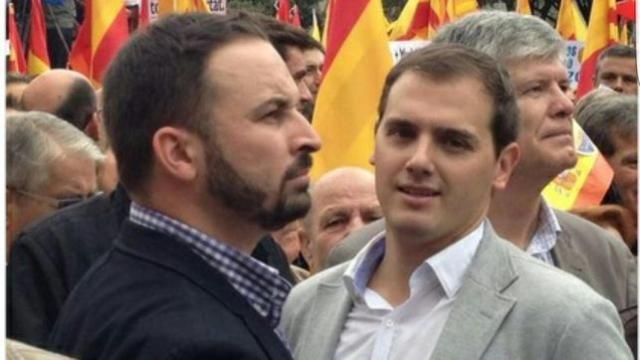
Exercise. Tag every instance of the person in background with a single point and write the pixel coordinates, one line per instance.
(617, 70)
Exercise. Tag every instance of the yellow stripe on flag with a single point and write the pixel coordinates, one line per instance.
(346, 107)
(35, 65)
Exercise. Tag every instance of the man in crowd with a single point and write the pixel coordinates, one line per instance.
(200, 197)
(439, 283)
(533, 54)
(42, 152)
(611, 121)
(291, 43)
(15, 85)
(342, 201)
(616, 69)
(66, 94)
(314, 60)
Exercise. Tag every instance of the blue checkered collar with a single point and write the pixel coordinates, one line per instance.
(260, 284)
(546, 235)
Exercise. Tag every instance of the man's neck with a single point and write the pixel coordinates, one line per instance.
(216, 222)
(514, 213)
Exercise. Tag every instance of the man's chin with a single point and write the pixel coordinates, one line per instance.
(293, 208)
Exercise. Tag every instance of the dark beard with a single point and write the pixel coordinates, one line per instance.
(246, 200)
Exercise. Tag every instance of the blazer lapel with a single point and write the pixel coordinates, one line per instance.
(481, 306)
(329, 312)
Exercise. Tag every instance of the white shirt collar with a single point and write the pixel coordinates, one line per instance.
(449, 265)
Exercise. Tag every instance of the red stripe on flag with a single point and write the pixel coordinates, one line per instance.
(596, 185)
(110, 44)
(419, 22)
(587, 72)
(80, 54)
(344, 15)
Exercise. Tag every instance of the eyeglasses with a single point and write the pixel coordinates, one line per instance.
(57, 203)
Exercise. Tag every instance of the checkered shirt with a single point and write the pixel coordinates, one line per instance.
(258, 283)
(546, 235)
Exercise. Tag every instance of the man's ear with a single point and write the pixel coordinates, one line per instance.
(507, 161)
(92, 129)
(177, 152)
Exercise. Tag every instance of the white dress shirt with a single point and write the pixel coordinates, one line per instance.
(376, 330)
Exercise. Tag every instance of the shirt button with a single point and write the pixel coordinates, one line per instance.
(388, 323)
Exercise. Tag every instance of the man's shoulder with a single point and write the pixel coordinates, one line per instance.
(588, 235)
(305, 290)
(352, 244)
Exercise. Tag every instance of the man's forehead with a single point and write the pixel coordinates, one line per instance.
(532, 69)
(628, 64)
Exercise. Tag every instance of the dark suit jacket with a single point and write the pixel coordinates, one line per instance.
(48, 259)
(152, 297)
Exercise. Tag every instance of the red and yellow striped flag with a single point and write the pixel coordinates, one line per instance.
(101, 35)
(523, 7)
(358, 60)
(586, 183)
(412, 22)
(17, 62)
(570, 24)
(602, 32)
(437, 17)
(283, 10)
(38, 56)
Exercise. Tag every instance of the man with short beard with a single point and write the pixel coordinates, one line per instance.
(213, 156)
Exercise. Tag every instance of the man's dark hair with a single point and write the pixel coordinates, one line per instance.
(282, 36)
(450, 62)
(605, 114)
(618, 50)
(158, 79)
(79, 104)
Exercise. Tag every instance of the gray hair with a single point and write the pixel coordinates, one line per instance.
(506, 36)
(604, 114)
(35, 140)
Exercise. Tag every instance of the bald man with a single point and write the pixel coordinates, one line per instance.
(66, 94)
(342, 200)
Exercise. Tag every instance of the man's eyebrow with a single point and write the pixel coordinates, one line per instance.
(275, 102)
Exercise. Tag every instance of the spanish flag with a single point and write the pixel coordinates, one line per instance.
(523, 7)
(570, 24)
(586, 183)
(101, 35)
(437, 17)
(283, 10)
(602, 32)
(412, 23)
(17, 63)
(357, 62)
(37, 57)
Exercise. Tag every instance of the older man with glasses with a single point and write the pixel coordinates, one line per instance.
(50, 165)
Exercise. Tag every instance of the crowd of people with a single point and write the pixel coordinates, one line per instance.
(170, 214)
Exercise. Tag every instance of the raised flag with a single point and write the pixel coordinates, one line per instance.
(601, 32)
(570, 24)
(294, 16)
(101, 35)
(412, 23)
(523, 7)
(357, 62)
(627, 9)
(17, 62)
(37, 56)
(315, 28)
(283, 10)
(586, 183)
(437, 17)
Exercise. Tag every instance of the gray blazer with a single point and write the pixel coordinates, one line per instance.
(510, 306)
(583, 249)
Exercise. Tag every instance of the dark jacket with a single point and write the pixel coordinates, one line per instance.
(48, 259)
(152, 297)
